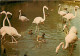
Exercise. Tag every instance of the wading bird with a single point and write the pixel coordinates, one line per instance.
(70, 16)
(38, 20)
(22, 18)
(69, 39)
(62, 12)
(8, 29)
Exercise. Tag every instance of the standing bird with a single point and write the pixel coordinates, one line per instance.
(69, 39)
(70, 16)
(38, 20)
(62, 12)
(8, 29)
(22, 18)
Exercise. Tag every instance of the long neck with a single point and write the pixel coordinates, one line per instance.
(62, 43)
(4, 21)
(43, 13)
(20, 14)
(59, 9)
(8, 22)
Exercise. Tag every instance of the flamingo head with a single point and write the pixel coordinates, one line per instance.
(46, 7)
(76, 7)
(3, 12)
(65, 26)
(59, 5)
(19, 10)
(19, 35)
(9, 13)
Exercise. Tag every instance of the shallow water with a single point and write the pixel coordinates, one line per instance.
(52, 27)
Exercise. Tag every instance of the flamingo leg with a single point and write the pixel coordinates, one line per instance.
(14, 40)
(2, 37)
(38, 28)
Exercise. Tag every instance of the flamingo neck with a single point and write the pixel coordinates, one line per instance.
(59, 9)
(4, 21)
(62, 43)
(20, 14)
(43, 13)
(7, 20)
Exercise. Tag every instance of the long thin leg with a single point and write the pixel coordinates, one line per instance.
(2, 37)
(14, 40)
(38, 28)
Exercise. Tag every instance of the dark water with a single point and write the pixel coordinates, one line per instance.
(52, 28)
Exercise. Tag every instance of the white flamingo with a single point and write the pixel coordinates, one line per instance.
(70, 16)
(69, 39)
(22, 18)
(8, 29)
(61, 12)
(38, 20)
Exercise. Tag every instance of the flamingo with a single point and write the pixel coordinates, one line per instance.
(61, 12)
(70, 16)
(69, 39)
(8, 29)
(38, 20)
(22, 18)
(6, 13)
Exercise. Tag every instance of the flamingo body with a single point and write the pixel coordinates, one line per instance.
(9, 30)
(22, 18)
(37, 20)
(69, 16)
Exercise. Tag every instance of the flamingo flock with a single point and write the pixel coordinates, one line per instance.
(8, 29)
(71, 35)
